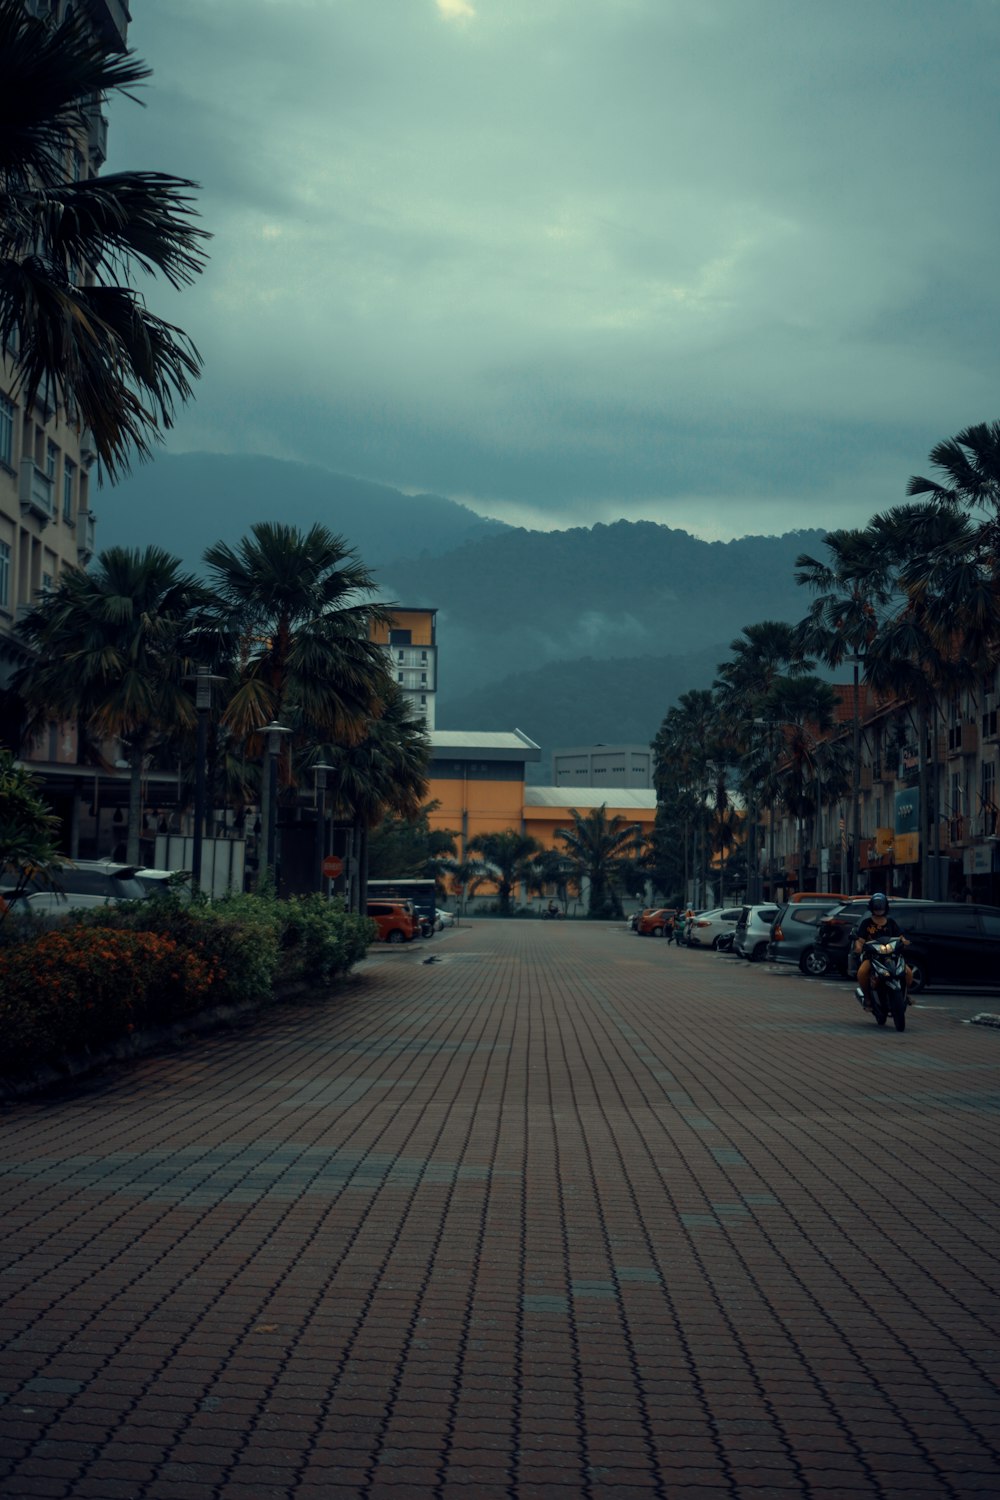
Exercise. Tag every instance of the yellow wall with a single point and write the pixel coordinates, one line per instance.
(542, 822)
(475, 807)
(419, 622)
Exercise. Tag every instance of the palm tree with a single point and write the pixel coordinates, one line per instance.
(803, 708)
(82, 334)
(300, 606)
(761, 654)
(598, 847)
(110, 646)
(28, 829)
(506, 858)
(382, 769)
(854, 590)
(551, 868)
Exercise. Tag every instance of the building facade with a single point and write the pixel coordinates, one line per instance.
(603, 765)
(410, 644)
(947, 759)
(46, 460)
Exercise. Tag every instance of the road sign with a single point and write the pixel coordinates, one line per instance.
(333, 866)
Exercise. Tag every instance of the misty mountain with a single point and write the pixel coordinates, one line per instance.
(522, 599)
(186, 501)
(590, 701)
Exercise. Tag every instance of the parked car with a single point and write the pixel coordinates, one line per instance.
(951, 942)
(753, 931)
(397, 922)
(793, 935)
(444, 918)
(655, 922)
(154, 882)
(834, 932)
(715, 928)
(78, 886)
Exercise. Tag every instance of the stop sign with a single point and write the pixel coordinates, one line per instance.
(333, 866)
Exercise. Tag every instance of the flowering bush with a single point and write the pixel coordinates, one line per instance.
(83, 987)
(117, 968)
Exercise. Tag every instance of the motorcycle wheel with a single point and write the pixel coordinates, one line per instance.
(897, 1006)
(879, 1009)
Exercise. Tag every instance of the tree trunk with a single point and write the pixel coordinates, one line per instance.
(137, 756)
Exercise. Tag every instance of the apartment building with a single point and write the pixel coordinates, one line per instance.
(46, 460)
(410, 645)
(928, 805)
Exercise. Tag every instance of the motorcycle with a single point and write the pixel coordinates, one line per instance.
(888, 980)
(550, 915)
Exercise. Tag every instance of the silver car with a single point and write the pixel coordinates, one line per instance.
(753, 931)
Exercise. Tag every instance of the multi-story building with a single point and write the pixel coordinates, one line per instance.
(947, 757)
(411, 651)
(46, 521)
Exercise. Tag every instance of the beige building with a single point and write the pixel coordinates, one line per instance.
(46, 461)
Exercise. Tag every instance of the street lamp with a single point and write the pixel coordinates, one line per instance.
(321, 770)
(203, 684)
(269, 791)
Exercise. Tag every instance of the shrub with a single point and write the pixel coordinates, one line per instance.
(321, 939)
(72, 989)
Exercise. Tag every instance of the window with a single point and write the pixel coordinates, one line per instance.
(423, 677)
(4, 575)
(51, 459)
(48, 583)
(399, 676)
(6, 432)
(69, 473)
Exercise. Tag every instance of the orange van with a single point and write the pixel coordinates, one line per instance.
(396, 920)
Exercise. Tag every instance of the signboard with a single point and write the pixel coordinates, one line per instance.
(906, 843)
(885, 838)
(333, 866)
(978, 859)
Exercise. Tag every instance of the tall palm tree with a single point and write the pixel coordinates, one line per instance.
(761, 654)
(381, 769)
(803, 708)
(599, 846)
(506, 857)
(68, 249)
(299, 604)
(110, 646)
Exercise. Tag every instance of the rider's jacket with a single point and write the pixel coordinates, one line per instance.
(869, 929)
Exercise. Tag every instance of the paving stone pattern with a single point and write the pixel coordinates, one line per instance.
(563, 1213)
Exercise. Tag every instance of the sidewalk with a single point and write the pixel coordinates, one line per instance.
(563, 1213)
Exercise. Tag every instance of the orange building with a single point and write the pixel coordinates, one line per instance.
(410, 645)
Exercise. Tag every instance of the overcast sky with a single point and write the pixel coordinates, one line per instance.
(727, 264)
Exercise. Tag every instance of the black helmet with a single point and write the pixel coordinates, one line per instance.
(879, 904)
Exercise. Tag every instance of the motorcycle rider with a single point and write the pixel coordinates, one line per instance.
(878, 925)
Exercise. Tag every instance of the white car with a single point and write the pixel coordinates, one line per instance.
(443, 918)
(753, 931)
(710, 928)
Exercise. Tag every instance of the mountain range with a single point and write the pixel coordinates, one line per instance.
(579, 636)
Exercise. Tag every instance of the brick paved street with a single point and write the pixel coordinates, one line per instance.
(563, 1213)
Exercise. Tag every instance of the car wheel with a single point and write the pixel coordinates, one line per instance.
(815, 962)
(657, 932)
(717, 943)
(395, 936)
(919, 981)
(759, 953)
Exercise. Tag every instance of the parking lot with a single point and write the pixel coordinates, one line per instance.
(531, 1209)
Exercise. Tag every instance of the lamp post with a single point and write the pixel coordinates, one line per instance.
(321, 770)
(203, 684)
(856, 788)
(269, 791)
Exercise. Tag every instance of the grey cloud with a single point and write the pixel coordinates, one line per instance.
(572, 257)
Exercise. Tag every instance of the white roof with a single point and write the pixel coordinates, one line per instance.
(621, 798)
(496, 739)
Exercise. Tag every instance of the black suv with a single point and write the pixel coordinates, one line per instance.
(951, 942)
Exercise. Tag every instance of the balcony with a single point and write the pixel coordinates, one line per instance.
(36, 492)
(86, 535)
